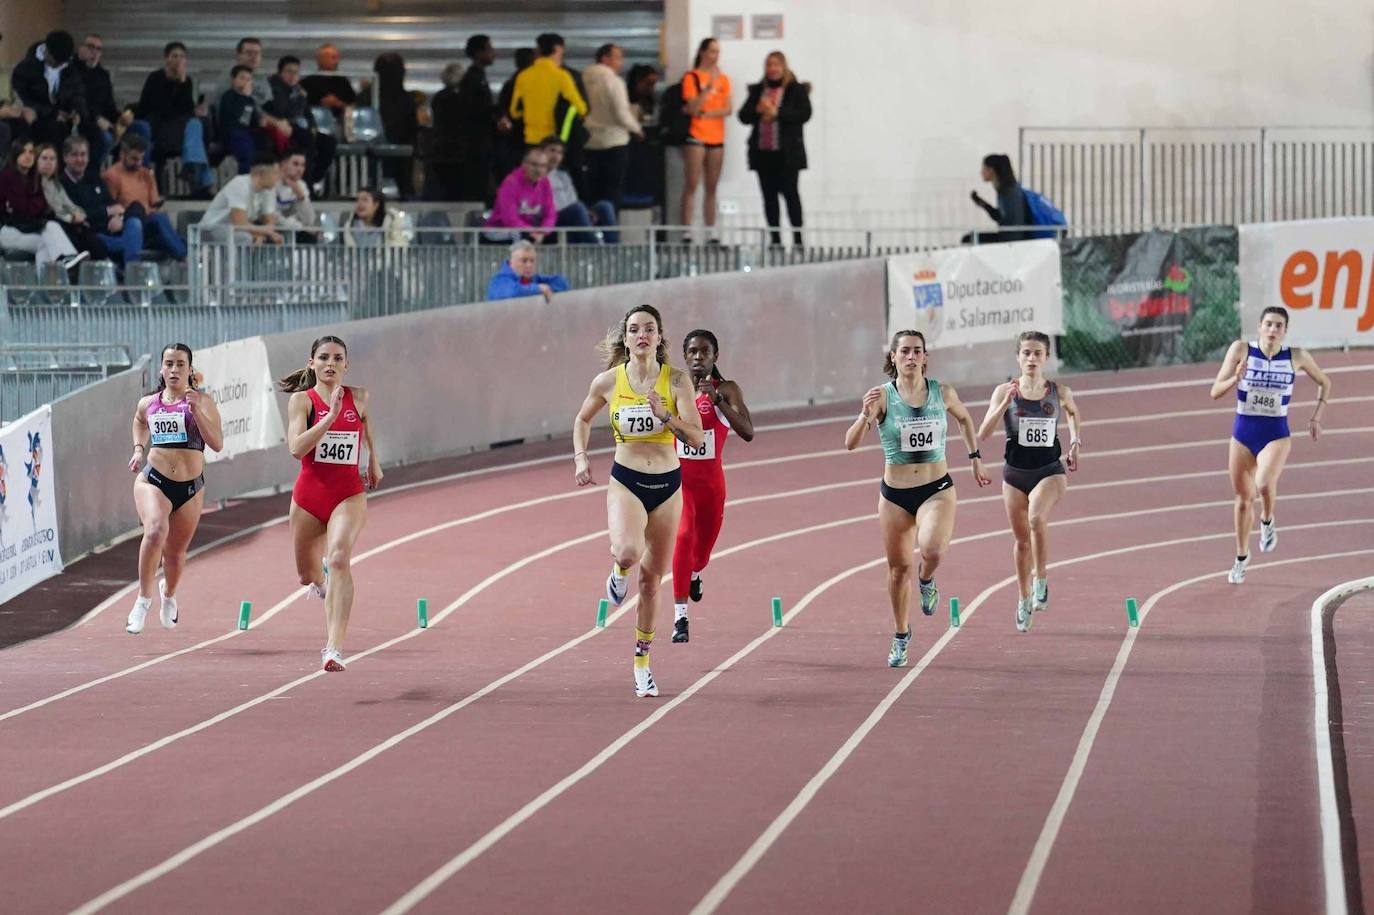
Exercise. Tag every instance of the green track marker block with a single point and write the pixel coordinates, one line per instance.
(954, 613)
(777, 611)
(1132, 615)
(245, 611)
(601, 607)
(422, 612)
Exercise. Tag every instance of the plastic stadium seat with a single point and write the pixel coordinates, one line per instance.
(367, 126)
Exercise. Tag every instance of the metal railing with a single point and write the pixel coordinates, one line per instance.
(1129, 178)
(32, 375)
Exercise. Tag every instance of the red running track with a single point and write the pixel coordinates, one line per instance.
(498, 761)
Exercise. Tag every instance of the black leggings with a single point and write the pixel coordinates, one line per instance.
(776, 178)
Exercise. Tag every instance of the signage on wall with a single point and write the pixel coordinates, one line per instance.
(766, 26)
(727, 28)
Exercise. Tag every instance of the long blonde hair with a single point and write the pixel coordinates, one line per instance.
(615, 351)
(788, 77)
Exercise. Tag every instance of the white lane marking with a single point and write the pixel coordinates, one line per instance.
(1190, 382)
(732, 877)
(1040, 854)
(1333, 866)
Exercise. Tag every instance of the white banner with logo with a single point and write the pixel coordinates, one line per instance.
(29, 550)
(976, 294)
(239, 379)
(1321, 270)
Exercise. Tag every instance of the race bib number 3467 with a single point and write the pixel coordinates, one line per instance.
(337, 448)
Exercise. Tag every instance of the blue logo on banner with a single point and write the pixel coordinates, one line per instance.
(928, 295)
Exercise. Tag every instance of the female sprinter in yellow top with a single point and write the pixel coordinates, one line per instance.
(651, 404)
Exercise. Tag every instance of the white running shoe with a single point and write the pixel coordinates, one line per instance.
(1269, 536)
(1041, 600)
(644, 682)
(138, 615)
(897, 656)
(168, 611)
(1237, 573)
(333, 660)
(315, 591)
(616, 594)
(1023, 614)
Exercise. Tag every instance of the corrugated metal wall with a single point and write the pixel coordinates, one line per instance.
(427, 33)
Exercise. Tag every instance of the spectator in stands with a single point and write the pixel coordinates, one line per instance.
(47, 81)
(776, 108)
(610, 122)
(173, 113)
(641, 82)
(327, 87)
(295, 212)
(370, 225)
(706, 92)
(241, 123)
(572, 212)
(248, 53)
(510, 148)
(518, 276)
(246, 207)
(72, 217)
(133, 186)
(539, 87)
(399, 119)
(26, 220)
(445, 159)
(1011, 209)
(524, 201)
(100, 100)
(121, 233)
(15, 116)
(290, 103)
(480, 121)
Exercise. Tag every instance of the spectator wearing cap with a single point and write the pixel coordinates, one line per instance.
(519, 276)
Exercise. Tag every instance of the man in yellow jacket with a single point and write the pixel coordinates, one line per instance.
(539, 87)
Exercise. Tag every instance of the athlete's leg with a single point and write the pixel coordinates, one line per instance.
(1018, 515)
(345, 524)
(1241, 464)
(935, 527)
(660, 531)
(181, 528)
(684, 550)
(710, 517)
(899, 540)
(1268, 466)
(154, 512)
(1044, 497)
(308, 537)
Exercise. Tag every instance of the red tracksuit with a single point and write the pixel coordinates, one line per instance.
(703, 498)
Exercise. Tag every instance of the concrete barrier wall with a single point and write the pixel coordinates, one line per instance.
(459, 379)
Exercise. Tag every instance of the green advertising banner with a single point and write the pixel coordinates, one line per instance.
(1150, 298)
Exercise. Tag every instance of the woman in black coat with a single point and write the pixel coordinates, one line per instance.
(1011, 209)
(777, 108)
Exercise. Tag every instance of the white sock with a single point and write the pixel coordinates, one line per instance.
(620, 574)
(679, 612)
(696, 576)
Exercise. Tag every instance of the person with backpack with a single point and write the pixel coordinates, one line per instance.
(1012, 207)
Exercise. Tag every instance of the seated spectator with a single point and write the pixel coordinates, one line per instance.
(295, 212)
(290, 103)
(46, 81)
(173, 115)
(524, 201)
(121, 231)
(248, 53)
(571, 211)
(241, 123)
(327, 87)
(245, 209)
(370, 225)
(26, 220)
(100, 100)
(518, 277)
(72, 217)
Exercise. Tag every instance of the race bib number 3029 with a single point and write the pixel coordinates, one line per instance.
(921, 434)
(168, 428)
(1263, 403)
(706, 451)
(337, 448)
(1036, 432)
(637, 419)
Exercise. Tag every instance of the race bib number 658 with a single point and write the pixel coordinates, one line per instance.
(706, 451)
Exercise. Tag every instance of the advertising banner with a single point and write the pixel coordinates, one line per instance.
(29, 551)
(239, 379)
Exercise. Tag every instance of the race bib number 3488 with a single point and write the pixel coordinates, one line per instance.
(1263, 403)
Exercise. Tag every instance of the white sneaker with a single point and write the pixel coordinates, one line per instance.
(315, 591)
(332, 659)
(71, 260)
(1237, 573)
(1269, 536)
(644, 683)
(138, 615)
(168, 611)
(616, 587)
(1041, 600)
(1023, 614)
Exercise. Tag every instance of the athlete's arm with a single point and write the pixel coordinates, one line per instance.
(997, 405)
(956, 408)
(207, 419)
(300, 440)
(685, 426)
(1303, 360)
(871, 412)
(141, 433)
(1075, 424)
(730, 399)
(1232, 369)
(582, 425)
(374, 463)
